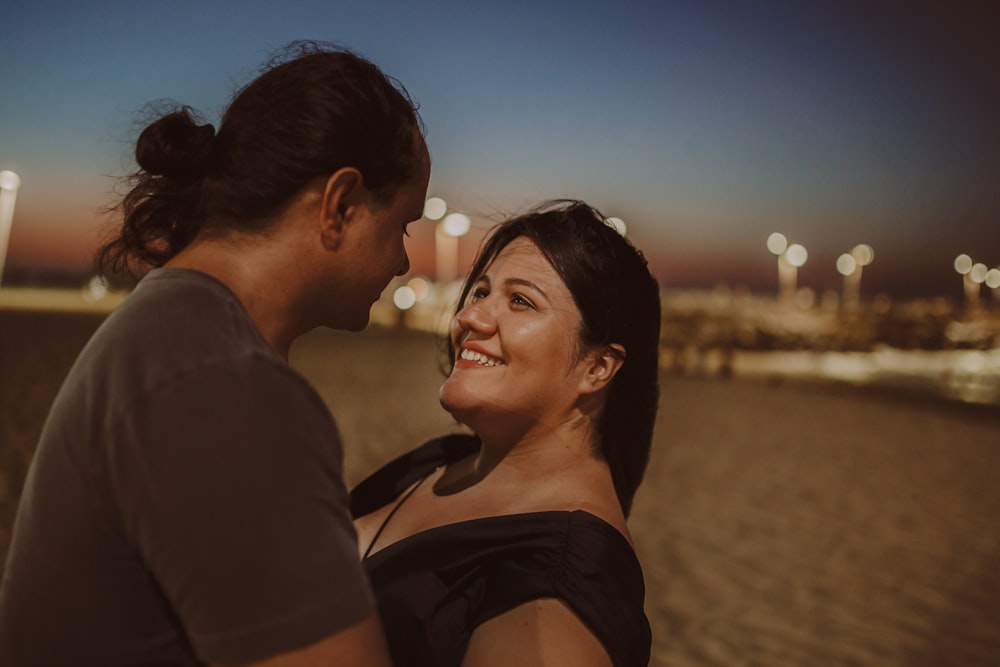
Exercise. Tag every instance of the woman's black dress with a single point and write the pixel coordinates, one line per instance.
(435, 587)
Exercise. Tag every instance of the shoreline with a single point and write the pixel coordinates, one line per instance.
(963, 375)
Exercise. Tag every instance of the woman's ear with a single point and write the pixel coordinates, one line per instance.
(342, 196)
(604, 364)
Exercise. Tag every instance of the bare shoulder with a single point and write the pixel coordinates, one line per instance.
(360, 645)
(540, 633)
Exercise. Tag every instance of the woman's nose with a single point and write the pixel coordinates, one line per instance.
(476, 317)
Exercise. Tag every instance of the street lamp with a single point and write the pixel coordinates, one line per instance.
(964, 266)
(790, 259)
(850, 266)
(446, 235)
(777, 244)
(993, 282)
(450, 227)
(795, 257)
(9, 185)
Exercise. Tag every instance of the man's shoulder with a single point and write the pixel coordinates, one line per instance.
(178, 316)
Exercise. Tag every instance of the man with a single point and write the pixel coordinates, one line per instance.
(185, 504)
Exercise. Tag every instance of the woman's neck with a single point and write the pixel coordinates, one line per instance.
(532, 461)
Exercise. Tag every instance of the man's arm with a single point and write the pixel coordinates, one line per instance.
(360, 645)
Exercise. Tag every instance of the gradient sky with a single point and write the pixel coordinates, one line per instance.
(705, 125)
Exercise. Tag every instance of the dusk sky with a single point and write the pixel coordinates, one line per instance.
(704, 125)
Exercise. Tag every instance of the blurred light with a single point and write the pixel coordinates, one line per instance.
(805, 298)
(421, 288)
(963, 264)
(993, 278)
(777, 243)
(796, 255)
(881, 304)
(404, 297)
(9, 180)
(618, 224)
(96, 289)
(435, 208)
(846, 264)
(863, 254)
(456, 224)
(9, 183)
(978, 273)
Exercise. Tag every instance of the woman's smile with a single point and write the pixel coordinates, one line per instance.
(478, 358)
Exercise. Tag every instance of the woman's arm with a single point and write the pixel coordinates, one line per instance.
(540, 633)
(360, 645)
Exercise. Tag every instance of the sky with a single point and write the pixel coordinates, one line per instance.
(704, 125)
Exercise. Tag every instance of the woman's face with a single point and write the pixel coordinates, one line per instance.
(516, 343)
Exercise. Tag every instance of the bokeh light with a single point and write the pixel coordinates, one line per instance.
(95, 289)
(435, 208)
(9, 180)
(618, 224)
(421, 288)
(777, 243)
(846, 264)
(796, 255)
(456, 224)
(863, 254)
(963, 264)
(404, 297)
(993, 278)
(978, 273)
(805, 298)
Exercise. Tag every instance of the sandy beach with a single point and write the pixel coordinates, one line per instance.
(780, 523)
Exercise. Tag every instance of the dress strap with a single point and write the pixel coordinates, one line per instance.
(399, 504)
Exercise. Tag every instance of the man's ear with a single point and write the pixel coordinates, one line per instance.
(343, 195)
(604, 364)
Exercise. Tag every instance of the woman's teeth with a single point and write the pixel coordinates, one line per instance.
(480, 358)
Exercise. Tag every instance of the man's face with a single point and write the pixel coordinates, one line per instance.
(377, 249)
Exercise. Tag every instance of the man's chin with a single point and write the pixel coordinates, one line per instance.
(360, 325)
(358, 320)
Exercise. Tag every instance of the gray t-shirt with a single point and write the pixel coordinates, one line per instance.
(185, 503)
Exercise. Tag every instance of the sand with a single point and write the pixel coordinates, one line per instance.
(780, 523)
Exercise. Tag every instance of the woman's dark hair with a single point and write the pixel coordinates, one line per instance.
(314, 109)
(619, 302)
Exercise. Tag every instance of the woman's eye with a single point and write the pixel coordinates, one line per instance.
(478, 293)
(519, 300)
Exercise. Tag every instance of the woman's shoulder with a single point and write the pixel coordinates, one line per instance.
(592, 538)
(600, 579)
(589, 565)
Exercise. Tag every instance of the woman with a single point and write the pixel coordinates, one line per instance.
(511, 546)
(181, 444)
